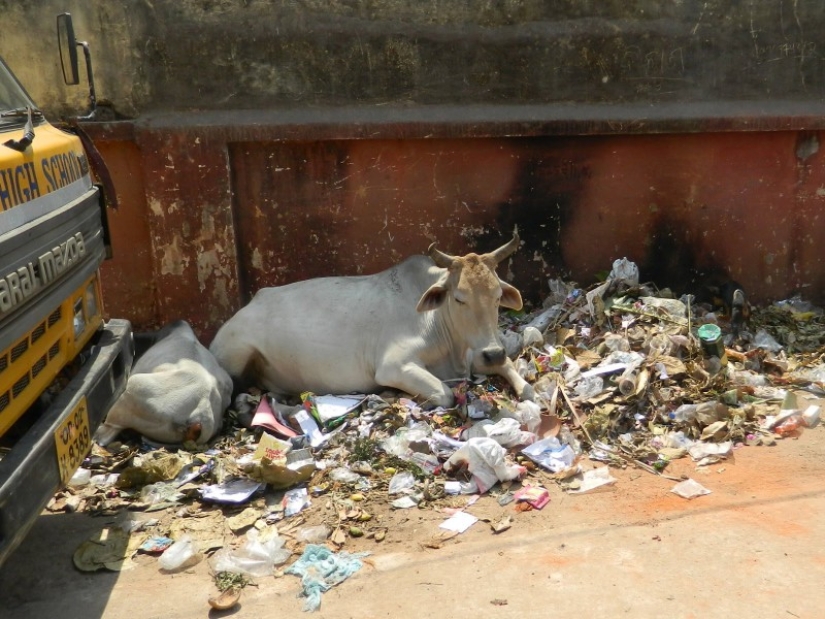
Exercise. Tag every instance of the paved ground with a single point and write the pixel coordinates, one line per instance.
(753, 548)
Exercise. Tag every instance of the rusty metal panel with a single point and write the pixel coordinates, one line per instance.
(129, 278)
(308, 209)
(228, 213)
(741, 205)
(192, 234)
(744, 204)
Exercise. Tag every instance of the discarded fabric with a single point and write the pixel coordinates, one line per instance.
(321, 569)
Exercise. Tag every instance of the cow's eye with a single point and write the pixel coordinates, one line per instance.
(459, 301)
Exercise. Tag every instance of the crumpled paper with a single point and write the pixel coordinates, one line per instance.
(321, 569)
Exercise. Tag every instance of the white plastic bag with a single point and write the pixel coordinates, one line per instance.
(625, 272)
(550, 454)
(507, 432)
(486, 461)
(179, 555)
(255, 558)
(529, 414)
(401, 482)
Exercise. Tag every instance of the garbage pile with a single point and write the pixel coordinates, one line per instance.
(625, 375)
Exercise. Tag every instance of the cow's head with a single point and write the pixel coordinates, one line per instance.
(470, 293)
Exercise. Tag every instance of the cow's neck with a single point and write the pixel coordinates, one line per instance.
(449, 357)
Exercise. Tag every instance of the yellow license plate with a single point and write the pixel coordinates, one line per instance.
(73, 441)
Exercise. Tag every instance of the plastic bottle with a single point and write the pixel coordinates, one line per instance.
(710, 336)
(627, 384)
(684, 414)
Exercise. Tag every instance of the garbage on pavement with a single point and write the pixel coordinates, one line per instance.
(625, 375)
(321, 569)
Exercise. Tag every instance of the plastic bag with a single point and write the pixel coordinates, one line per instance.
(594, 478)
(530, 415)
(625, 272)
(686, 413)
(513, 343)
(81, 477)
(485, 459)
(402, 481)
(255, 558)
(160, 492)
(532, 336)
(507, 432)
(399, 443)
(550, 454)
(689, 489)
(313, 535)
(344, 474)
(764, 340)
(588, 388)
(179, 555)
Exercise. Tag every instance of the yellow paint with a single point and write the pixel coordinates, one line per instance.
(53, 160)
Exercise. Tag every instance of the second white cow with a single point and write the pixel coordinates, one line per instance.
(411, 327)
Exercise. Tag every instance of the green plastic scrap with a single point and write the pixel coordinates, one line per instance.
(321, 569)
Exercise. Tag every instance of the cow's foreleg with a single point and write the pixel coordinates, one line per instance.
(418, 382)
(508, 370)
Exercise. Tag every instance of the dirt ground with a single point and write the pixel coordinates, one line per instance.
(754, 547)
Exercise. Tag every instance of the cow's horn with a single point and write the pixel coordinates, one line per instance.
(440, 258)
(505, 250)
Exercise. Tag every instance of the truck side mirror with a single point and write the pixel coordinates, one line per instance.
(68, 45)
(68, 49)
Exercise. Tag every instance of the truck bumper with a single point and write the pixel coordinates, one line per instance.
(29, 473)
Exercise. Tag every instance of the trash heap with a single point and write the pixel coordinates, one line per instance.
(624, 374)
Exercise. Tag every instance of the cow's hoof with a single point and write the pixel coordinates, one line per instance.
(440, 400)
(528, 393)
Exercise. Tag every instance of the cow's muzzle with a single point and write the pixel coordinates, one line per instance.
(493, 356)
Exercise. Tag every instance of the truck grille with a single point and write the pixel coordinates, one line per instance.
(19, 349)
(39, 332)
(23, 367)
(56, 315)
(20, 385)
(38, 367)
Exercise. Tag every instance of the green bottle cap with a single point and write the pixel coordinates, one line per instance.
(709, 333)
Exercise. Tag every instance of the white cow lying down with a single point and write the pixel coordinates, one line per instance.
(423, 321)
(176, 392)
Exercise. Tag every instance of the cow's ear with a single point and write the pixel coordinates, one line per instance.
(433, 298)
(510, 297)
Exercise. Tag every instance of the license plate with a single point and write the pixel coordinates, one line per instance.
(73, 441)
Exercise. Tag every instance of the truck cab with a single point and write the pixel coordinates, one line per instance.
(61, 364)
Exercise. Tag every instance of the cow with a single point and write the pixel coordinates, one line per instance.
(176, 392)
(411, 327)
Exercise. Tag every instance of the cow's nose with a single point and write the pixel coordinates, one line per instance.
(493, 356)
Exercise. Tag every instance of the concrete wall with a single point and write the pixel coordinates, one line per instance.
(245, 54)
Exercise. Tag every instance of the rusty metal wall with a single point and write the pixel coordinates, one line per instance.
(214, 210)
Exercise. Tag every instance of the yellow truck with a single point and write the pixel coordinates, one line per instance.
(61, 364)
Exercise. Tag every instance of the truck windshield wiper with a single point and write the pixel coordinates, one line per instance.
(28, 131)
(21, 111)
